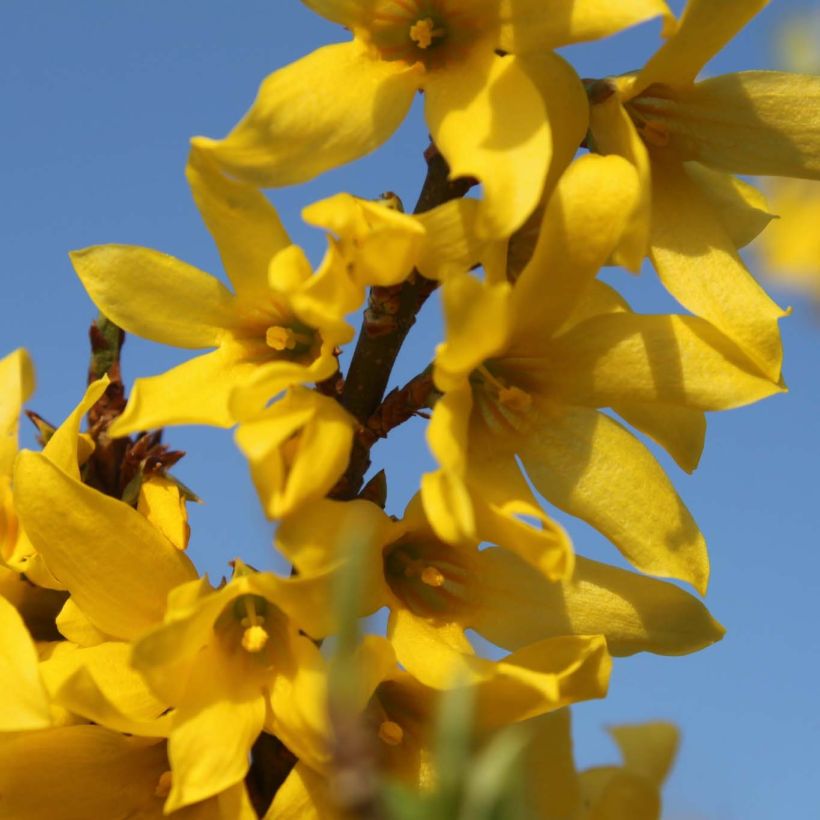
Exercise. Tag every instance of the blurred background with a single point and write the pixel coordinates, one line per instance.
(99, 100)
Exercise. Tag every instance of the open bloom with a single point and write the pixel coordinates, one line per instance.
(525, 369)
(261, 338)
(686, 139)
(437, 592)
(496, 98)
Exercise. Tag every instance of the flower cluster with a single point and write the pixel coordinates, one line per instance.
(135, 687)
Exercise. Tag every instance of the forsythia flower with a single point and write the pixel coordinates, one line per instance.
(494, 93)
(683, 137)
(261, 340)
(522, 375)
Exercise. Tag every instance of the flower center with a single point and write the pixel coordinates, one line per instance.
(285, 338)
(502, 405)
(390, 733)
(254, 637)
(430, 577)
(424, 32)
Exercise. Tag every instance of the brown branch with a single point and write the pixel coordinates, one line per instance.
(390, 314)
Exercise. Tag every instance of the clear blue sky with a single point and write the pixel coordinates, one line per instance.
(99, 100)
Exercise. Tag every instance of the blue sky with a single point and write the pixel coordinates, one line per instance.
(99, 101)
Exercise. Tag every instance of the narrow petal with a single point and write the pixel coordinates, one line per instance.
(589, 466)
(527, 26)
(154, 295)
(244, 225)
(679, 360)
(613, 132)
(195, 392)
(211, 739)
(634, 613)
(742, 208)
(437, 654)
(551, 778)
(452, 245)
(120, 584)
(648, 749)
(611, 792)
(331, 107)
(698, 264)
(110, 669)
(298, 449)
(344, 12)
(63, 447)
(305, 795)
(16, 385)
(163, 504)
(487, 118)
(706, 26)
(679, 430)
(582, 224)
(74, 626)
(477, 318)
(102, 774)
(753, 122)
(25, 703)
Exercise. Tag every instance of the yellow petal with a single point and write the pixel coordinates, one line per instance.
(436, 653)
(109, 666)
(381, 245)
(704, 29)
(305, 795)
(101, 774)
(551, 779)
(583, 221)
(546, 675)
(634, 613)
(487, 118)
(162, 503)
(213, 731)
(698, 264)
(588, 465)
(63, 447)
(528, 26)
(25, 704)
(477, 319)
(74, 626)
(298, 449)
(16, 385)
(742, 208)
(648, 749)
(244, 225)
(451, 246)
(610, 793)
(679, 430)
(613, 132)
(679, 360)
(154, 295)
(753, 122)
(448, 506)
(355, 102)
(120, 579)
(195, 392)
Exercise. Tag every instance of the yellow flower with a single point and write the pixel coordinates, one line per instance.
(231, 662)
(261, 339)
(297, 449)
(94, 772)
(497, 101)
(397, 715)
(686, 139)
(790, 246)
(436, 592)
(524, 370)
(634, 789)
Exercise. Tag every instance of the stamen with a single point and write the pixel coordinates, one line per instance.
(515, 398)
(423, 32)
(432, 577)
(490, 379)
(163, 787)
(283, 338)
(254, 638)
(390, 733)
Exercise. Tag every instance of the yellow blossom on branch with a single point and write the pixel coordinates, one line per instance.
(483, 65)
